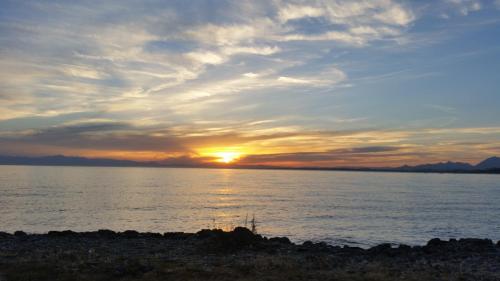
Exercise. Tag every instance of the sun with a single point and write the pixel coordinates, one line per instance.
(227, 157)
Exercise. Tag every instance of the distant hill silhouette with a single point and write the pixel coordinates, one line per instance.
(490, 165)
(60, 160)
(444, 166)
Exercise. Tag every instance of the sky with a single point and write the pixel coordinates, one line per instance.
(333, 83)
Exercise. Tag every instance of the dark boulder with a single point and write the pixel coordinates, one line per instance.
(130, 234)
(65, 233)
(436, 242)
(106, 233)
(308, 244)
(242, 235)
(404, 249)
(476, 245)
(352, 251)
(280, 240)
(152, 235)
(20, 234)
(467, 245)
(5, 235)
(238, 239)
(382, 249)
(177, 235)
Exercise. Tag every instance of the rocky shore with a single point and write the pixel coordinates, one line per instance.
(235, 255)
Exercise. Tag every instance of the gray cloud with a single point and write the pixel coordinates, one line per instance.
(331, 157)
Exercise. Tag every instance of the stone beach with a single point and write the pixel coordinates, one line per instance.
(234, 255)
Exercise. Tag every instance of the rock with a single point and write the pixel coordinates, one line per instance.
(308, 244)
(235, 255)
(404, 249)
(352, 250)
(209, 233)
(280, 240)
(5, 235)
(20, 234)
(177, 235)
(130, 234)
(243, 235)
(106, 233)
(237, 239)
(65, 233)
(436, 242)
(476, 245)
(152, 235)
(467, 245)
(380, 249)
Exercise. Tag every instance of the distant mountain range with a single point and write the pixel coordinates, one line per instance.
(490, 165)
(60, 160)
(487, 164)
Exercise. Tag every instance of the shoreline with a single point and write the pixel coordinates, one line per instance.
(235, 255)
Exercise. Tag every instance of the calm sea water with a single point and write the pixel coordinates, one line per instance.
(360, 208)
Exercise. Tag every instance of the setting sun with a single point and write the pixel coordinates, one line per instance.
(227, 157)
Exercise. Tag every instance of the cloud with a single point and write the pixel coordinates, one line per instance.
(395, 15)
(465, 7)
(255, 50)
(261, 142)
(108, 58)
(206, 57)
(225, 35)
(349, 12)
(292, 12)
(188, 161)
(166, 79)
(358, 156)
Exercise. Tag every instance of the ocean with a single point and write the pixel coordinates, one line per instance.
(352, 208)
